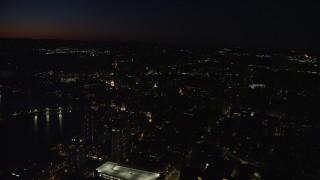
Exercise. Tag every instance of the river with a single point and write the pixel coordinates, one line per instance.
(28, 137)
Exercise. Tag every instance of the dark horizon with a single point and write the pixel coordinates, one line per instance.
(244, 24)
(312, 50)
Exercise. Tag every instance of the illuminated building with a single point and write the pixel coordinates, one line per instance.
(88, 128)
(75, 155)
(123, 107)
(110, 83)
(254, 86)
(111, 170)
(93, 130)
(119, 144)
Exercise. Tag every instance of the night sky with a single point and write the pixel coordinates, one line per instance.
(242, 23)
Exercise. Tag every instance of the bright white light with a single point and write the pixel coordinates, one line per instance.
(113, 169)
(47, 117)
(35, 121)
(60, 123)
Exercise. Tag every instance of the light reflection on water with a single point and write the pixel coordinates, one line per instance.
(34, 134)
(35, 122)
(47, 127)
(28, 136)
(1, 117)
(60, 123)
(47, 117)
(51, 124)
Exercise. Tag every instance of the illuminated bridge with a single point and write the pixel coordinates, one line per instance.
(47, 111)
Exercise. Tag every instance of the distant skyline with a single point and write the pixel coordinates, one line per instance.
(249, 23)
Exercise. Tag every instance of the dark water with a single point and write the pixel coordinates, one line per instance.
(28, 137)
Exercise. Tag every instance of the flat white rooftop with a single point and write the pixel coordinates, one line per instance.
(114, 170)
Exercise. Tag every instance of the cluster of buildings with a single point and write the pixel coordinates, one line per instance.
(181, 113)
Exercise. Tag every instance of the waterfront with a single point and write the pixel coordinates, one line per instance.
(28, 137)
(212, 113)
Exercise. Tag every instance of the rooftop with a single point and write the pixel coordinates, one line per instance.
(114, 170)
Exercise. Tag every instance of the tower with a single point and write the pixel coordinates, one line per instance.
(119, 144)
(76, 156)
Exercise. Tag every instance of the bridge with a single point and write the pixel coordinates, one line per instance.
(47, 111)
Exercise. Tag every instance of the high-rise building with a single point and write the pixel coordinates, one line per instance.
(76, 155)
(120, 136)
(119, 144)
(95, 131)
